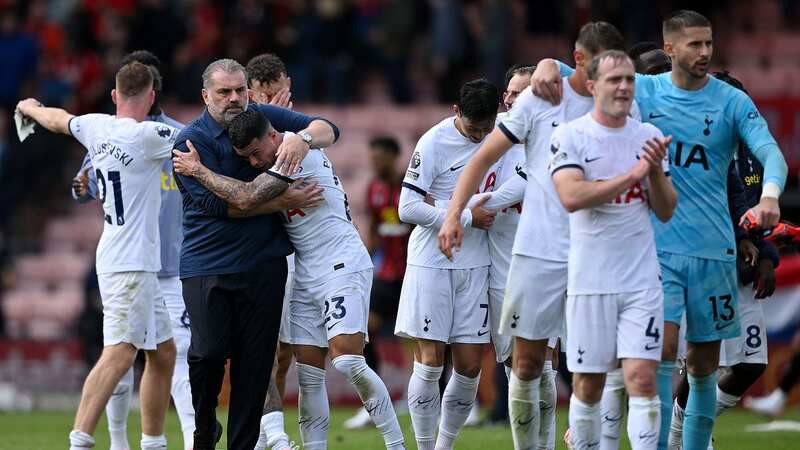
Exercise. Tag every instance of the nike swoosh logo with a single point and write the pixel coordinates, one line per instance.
(720, 327)
(333, 325)
(751, 353)
(612, 419)
(554, 124)
(657, 115)
(453, 169)
(647, 346)
(424, 402)
(587, 160)
(481, 333)
(524, 423)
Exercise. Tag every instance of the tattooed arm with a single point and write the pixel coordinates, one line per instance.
(266, 194)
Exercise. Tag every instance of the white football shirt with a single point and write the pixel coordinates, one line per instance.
(326, 242)
(510, 169)
(438, 159)
(127, 156)
(543, 230)
(612, 249)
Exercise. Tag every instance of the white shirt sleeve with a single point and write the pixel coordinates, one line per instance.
(510, 193)
(158, 140)
(413, 209)
(517, 123)
(81, 127)
(565, 153)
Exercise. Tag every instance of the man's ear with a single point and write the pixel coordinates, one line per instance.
(456, 110)
(580, 57)
(204, 93)
(669, 48)
(590, 86)
(114, 96)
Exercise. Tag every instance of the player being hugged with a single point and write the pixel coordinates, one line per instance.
(332, 281)
(609, 173)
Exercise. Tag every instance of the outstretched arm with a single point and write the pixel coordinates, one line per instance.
(54, 119)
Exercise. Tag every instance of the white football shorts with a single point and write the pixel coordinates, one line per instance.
(751, 346)
(535, 295)
(339, 306)
(604, 328)
(445, 305)
(134, 310)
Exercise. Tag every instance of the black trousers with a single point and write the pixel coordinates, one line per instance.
(234, 316)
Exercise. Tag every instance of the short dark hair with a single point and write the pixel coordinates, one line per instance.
(245, 127)
(518, 69)
(730, 79)
(618, 56)
(147, 58)
(479, 99)
(640, 48)
(681, 19)
(133, 78)
(265, 68)
(385, 143)
(595, 37)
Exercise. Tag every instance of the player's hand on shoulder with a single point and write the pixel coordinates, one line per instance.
(290, 153)
(302, 194)
(80, 184)
(482, 218)
(764, 283)
(187, 163)
(546, 82)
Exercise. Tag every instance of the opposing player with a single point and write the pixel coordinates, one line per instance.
(697, 252)
(444, 301)
(533, 309)
(127, 154)
(609, 173)
(169, 228)
(746, 355)
(330, 292)
(269, 83)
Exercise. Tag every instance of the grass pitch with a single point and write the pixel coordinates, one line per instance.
(49, 430)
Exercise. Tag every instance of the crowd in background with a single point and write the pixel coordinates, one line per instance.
(339, 52)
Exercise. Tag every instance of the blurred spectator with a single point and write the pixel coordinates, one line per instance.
(449, 43)
(157, 27)
(19, 55)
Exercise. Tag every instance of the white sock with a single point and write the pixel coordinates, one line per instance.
(457, 401)
(374, 396)
(675, 441)
(584, 424)
(424, 403)
(508, 372)
(181, 392)
(314, 410)
(78, 440)
(547, 407)
(644, 422)
(612, 407)
(154, 442)
(524, 412)
(725, 401)
(117, 412)
(272, 424)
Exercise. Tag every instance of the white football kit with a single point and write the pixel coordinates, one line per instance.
(332, 268)
(615, 301)
(442, 300)
(537, 280)
(127, 156)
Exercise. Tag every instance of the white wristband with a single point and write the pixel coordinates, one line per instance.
(771, 190)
